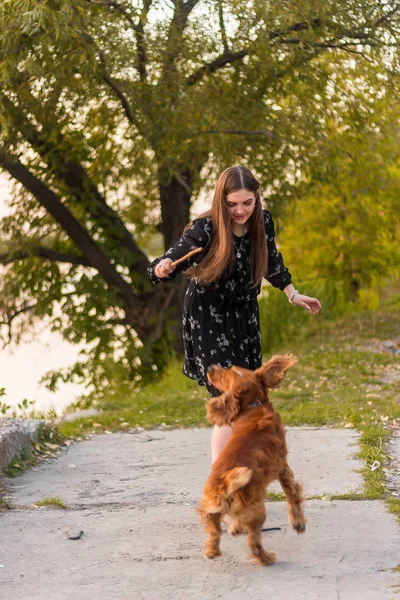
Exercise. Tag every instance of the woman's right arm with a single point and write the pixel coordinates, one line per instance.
(195, 236)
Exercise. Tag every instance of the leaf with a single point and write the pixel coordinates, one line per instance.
(51, 446)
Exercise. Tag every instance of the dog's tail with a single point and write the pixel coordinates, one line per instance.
(233, 480)
(236, 479)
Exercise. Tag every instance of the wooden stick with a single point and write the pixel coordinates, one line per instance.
(188, 255)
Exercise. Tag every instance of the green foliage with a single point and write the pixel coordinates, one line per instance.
(344, 225)
(133, 97)
(283, 325)
(4, 407)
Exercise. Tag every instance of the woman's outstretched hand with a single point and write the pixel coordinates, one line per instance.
(164, 268)
(311, 304)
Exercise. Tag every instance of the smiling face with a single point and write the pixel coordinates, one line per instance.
(240, 205)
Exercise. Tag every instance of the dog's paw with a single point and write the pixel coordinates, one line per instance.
(299, 526)
(264, 558)
(211, 553)
(235, 529)
(298, 523)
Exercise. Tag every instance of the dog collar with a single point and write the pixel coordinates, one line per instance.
(256, 403)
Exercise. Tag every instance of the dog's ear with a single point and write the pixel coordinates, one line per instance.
(222, 410)
(272, 372)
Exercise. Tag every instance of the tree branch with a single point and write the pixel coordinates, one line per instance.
(9, 317)
(138, 28)
(218, 63)
(116, 88)
(229, 57)
(182, 14)
(78, 181)
(239, 132)
(302, 26)
(385, 17)
(176, 28)
(77, 233)
(222, 28)
(42, 252)
(141, 47)
(118, 6)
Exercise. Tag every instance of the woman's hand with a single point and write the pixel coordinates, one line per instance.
(311, 304)
(164, 268)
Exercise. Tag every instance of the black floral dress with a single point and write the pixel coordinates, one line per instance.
(221, 322)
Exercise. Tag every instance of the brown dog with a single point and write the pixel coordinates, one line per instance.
(254, 456)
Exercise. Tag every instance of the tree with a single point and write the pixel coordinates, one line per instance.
(344, 225)
(114, 114)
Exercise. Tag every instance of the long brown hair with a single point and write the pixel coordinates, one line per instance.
(220, 254)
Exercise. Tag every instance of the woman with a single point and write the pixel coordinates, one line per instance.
(220, 313)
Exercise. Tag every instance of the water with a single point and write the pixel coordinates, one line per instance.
(22, 367)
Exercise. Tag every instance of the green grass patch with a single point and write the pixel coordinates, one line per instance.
(53, 501)
(275, 496)
(393, 505)
(351, 495)
(339, 386)
(336, 382)
(171, 402)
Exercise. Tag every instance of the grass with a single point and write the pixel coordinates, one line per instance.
(173, 401)
(394, 506)
(275, 496)
(336, 382)
(54, 501)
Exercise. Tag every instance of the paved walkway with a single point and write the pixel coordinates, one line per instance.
(134, 495)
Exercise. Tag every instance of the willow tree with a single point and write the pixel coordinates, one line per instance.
(114, 114)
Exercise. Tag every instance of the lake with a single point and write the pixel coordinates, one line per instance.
(22, 367)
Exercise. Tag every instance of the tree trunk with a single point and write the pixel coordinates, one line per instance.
(175, 195)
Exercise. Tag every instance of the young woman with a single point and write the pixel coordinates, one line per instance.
(220, 313)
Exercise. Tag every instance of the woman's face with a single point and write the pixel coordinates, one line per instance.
(240, 205)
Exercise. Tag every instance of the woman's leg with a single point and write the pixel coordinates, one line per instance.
(220, 435)
(219, 439)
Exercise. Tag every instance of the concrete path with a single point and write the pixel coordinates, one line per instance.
(134, 495)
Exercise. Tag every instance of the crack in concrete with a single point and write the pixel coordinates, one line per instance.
(78, 507)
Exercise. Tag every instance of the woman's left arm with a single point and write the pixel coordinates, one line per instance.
(311, 304)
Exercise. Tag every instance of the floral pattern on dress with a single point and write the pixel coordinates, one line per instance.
(221, 323)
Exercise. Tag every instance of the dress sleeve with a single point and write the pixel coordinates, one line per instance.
(195, 236)
(278, 275)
